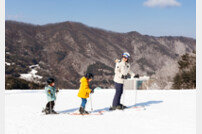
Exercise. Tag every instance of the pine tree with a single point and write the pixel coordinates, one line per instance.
(186, 77)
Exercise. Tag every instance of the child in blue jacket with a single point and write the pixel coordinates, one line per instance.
(50, 92)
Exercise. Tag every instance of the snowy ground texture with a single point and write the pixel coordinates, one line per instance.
(166, 112)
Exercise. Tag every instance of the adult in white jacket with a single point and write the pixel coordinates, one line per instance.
(122, 69)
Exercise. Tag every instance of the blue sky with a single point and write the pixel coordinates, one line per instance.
(151, 17)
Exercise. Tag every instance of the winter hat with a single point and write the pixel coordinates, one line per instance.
(89, 76)
(50, 80)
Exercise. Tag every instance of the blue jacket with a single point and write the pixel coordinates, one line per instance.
(50, 92)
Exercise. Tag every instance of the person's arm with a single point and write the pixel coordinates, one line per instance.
(56, 90)
(86, 86)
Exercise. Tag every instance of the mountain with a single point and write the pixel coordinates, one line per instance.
(67, 50)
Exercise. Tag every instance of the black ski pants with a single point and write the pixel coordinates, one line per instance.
(50, 105)
(117, 96)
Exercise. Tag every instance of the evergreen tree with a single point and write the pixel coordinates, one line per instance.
(186, 77)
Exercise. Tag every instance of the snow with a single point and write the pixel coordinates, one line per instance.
(32, 75)
(34, 66)
(8, 64)
(166, 112)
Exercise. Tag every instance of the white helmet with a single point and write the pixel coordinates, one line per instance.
(126, 54)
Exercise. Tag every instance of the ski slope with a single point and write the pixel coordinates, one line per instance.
(164, 112)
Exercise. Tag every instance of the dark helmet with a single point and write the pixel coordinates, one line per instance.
(89, 76)
(50, 80)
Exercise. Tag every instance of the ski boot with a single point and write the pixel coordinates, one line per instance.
(121, 107)
(83, 111)
(43, 111)
(112, 108)
(53, 112)
(46, 111)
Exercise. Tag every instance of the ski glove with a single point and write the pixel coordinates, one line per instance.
(124, 77)
(136, 76)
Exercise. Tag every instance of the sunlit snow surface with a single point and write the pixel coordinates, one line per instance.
(166, 112)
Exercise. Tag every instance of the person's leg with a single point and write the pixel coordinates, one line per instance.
(52, 105)
(120, 94)
(47, 109)
(117, 96)
(48, 105)
(83, 103)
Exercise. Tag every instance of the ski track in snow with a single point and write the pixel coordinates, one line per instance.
(167, 112)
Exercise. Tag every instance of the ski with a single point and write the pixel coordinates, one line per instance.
(96, 113)
(44, 112)
(136, 108)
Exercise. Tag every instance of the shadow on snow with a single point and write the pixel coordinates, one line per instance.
(68, 110)
(142, 104)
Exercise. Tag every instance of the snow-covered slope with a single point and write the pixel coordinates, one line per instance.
(166, 112)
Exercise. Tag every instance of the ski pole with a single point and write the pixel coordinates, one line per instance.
(135, 96)
(56, 95)
(135, 91)
(91, 103)
(123, 94)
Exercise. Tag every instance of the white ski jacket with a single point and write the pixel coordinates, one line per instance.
(122, 68)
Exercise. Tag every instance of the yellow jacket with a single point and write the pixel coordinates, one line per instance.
(84, 89)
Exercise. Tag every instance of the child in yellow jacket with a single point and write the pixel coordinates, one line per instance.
(84, 91)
